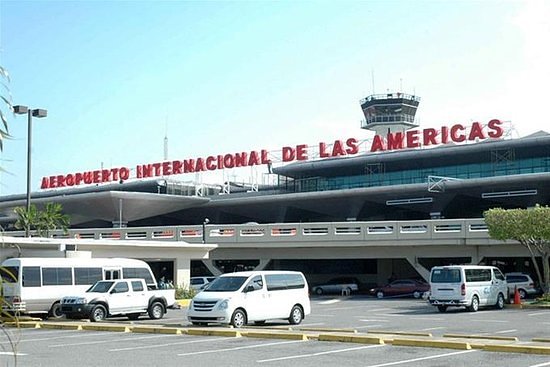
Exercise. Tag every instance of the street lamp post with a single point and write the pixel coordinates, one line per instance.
(204, 223)
(36, 112)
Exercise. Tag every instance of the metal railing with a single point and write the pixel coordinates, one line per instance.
(437, 229)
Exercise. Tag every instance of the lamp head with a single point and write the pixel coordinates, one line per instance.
(206, 220)
(38, 112)
(20, 110)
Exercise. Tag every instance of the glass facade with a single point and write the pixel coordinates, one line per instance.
(416, 176)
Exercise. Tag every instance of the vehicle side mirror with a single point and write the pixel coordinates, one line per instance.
(112, 291)
(249, 288)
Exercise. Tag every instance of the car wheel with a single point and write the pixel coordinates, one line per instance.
(500, 302)
(318, 291)
(416, 294)
(133, 316)
(238, 319)
(99, 313)
(55, 311)
(522, 293)
(156, 311)
(296, 315)
(474, 306)
(379, 294)
(442, 308)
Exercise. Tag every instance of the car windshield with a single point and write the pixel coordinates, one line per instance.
(101, 287)
(446, 276)
(226, 284)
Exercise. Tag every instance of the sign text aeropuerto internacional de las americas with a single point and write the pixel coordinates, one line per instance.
(457, 133)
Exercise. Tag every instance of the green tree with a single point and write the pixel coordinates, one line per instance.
(531, 228)
(52, 218)
(43, 221)
(26, 220)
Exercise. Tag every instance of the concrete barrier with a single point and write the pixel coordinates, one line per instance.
(514, 348)
(213, 332)
(410, 333)
(107, 327)
(485, 337)
(432, 343)
(362, 339)
(274, 335)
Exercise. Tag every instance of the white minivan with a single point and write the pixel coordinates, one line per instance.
(252, 296)
(469, 286)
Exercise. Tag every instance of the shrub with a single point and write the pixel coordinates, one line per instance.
(183, 292)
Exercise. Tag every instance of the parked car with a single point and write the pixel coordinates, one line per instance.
(129, 297)
(337, 285)
(523, 282)
(470, 286)
(198, 283)
(401, 287)
(252, 296)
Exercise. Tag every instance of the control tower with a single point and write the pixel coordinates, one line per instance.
(391, 112)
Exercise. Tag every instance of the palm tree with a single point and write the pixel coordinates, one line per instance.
(43, 221)
(27, 220)
(52, 218)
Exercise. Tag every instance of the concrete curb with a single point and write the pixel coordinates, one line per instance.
(208, 332)
(272, 335)
(24, 324)
(156, 330)
(541, 340)
(334, 330)
(485, 337)
(409, 333)
(350, 339)
(61, 326)
(104, 327)
(431, 343)
(528, 349)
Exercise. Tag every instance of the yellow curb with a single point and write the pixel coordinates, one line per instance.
(183, 302)
(208, 332)
(350, 339)
(488, 337)
(99, 327)
(62, 326)
(24, 324)
(529, 349)
(268, 335)
(156, 330)
(334, 330)
(432, 343)
(542, 340)
(411, 333)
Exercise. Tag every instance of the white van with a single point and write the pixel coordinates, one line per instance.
(252, 296)
(469, 286)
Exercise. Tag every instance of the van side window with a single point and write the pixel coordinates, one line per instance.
(142, 273)
(31, 276)
(478, 275)
(57, 276)
(277, 282)
(85, 276)
(498, 274)
(256, 282)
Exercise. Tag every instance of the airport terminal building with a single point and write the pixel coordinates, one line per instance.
(394, 205)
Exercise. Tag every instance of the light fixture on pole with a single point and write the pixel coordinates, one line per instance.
(204, 223)
(36, 112)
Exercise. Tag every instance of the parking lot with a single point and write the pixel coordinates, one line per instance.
(48, 347)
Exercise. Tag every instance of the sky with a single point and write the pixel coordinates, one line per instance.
(220, 77)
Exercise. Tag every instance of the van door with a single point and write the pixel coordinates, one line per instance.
(111, 273)
(498, 285)
(255, 299)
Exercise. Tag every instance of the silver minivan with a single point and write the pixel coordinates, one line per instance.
(470, 286)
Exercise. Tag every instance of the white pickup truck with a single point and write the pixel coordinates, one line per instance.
(127, 297)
